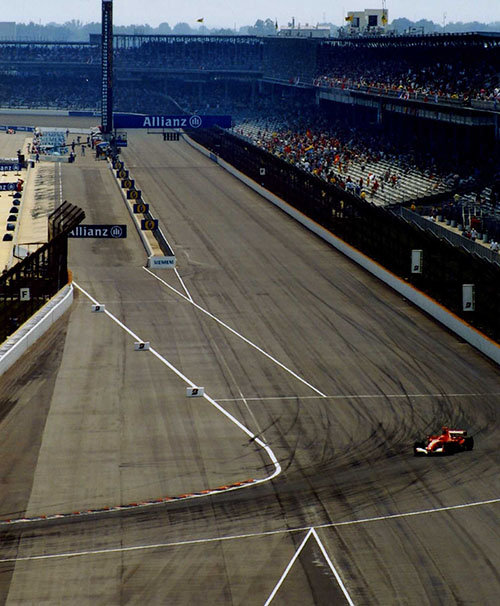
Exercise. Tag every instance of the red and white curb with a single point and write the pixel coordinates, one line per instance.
(130, 506)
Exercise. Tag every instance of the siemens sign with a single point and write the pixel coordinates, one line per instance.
(177, 121)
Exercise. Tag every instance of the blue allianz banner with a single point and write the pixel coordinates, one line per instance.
(8, 186)
(185, 121)
(6, 165)
(98, 231)
(26, 129)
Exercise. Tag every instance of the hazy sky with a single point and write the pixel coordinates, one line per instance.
(228, 13)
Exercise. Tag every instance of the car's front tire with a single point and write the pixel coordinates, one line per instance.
(416, 453)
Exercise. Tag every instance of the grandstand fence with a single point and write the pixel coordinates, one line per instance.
(382, 234)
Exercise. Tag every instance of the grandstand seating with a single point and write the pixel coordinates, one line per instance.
(462, 70)
(224, 74)
(397, 180)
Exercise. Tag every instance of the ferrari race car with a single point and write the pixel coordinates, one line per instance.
(448, 442)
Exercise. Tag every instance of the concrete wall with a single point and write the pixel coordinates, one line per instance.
(18, 343)
(430, 306)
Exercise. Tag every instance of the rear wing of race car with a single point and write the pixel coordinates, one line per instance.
(455, 433)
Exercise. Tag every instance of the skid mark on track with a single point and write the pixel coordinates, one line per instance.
(250, 434)
(234, 332)
(404, 396)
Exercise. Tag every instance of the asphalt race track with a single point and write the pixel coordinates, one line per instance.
(333, 372)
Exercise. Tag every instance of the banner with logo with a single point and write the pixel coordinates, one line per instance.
(184, 121)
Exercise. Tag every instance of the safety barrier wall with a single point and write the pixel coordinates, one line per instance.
(154, 259)
(26, 111)
(19, 342)
(443, 315)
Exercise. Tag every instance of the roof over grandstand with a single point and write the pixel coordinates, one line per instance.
(429, 40)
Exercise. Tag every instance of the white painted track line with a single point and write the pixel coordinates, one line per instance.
(252, 535)
(250, 434)
(188, 294)
(332, 568)
(364, 396)
(312, 532)
(239, 335)
(287, 569)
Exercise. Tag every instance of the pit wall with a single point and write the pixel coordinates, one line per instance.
(466, 332)
(25, 336)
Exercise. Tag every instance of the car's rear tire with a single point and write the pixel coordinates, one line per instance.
(449, 448)
(469, 443)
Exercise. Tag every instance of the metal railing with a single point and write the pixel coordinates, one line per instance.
(442, 232)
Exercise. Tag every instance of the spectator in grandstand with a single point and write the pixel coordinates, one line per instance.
(413, 73)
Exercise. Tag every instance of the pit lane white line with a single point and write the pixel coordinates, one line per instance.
(239, 335)
(250, 434)
(312, 532)
(251, 535)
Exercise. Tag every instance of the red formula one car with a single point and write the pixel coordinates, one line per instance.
(448, 442)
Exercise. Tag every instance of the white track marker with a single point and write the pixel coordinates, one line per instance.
(251, 435)
(227, 327)
(313, 533)
(332, 568)
(235, 537)
(288, 568)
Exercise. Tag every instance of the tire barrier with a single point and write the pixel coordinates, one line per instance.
(77, 514)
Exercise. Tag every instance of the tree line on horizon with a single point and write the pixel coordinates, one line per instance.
(77, 31)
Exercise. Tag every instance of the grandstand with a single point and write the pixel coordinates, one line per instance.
(371, 173)
(393, 119)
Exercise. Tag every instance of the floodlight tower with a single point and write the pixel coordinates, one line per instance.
(107, 67)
